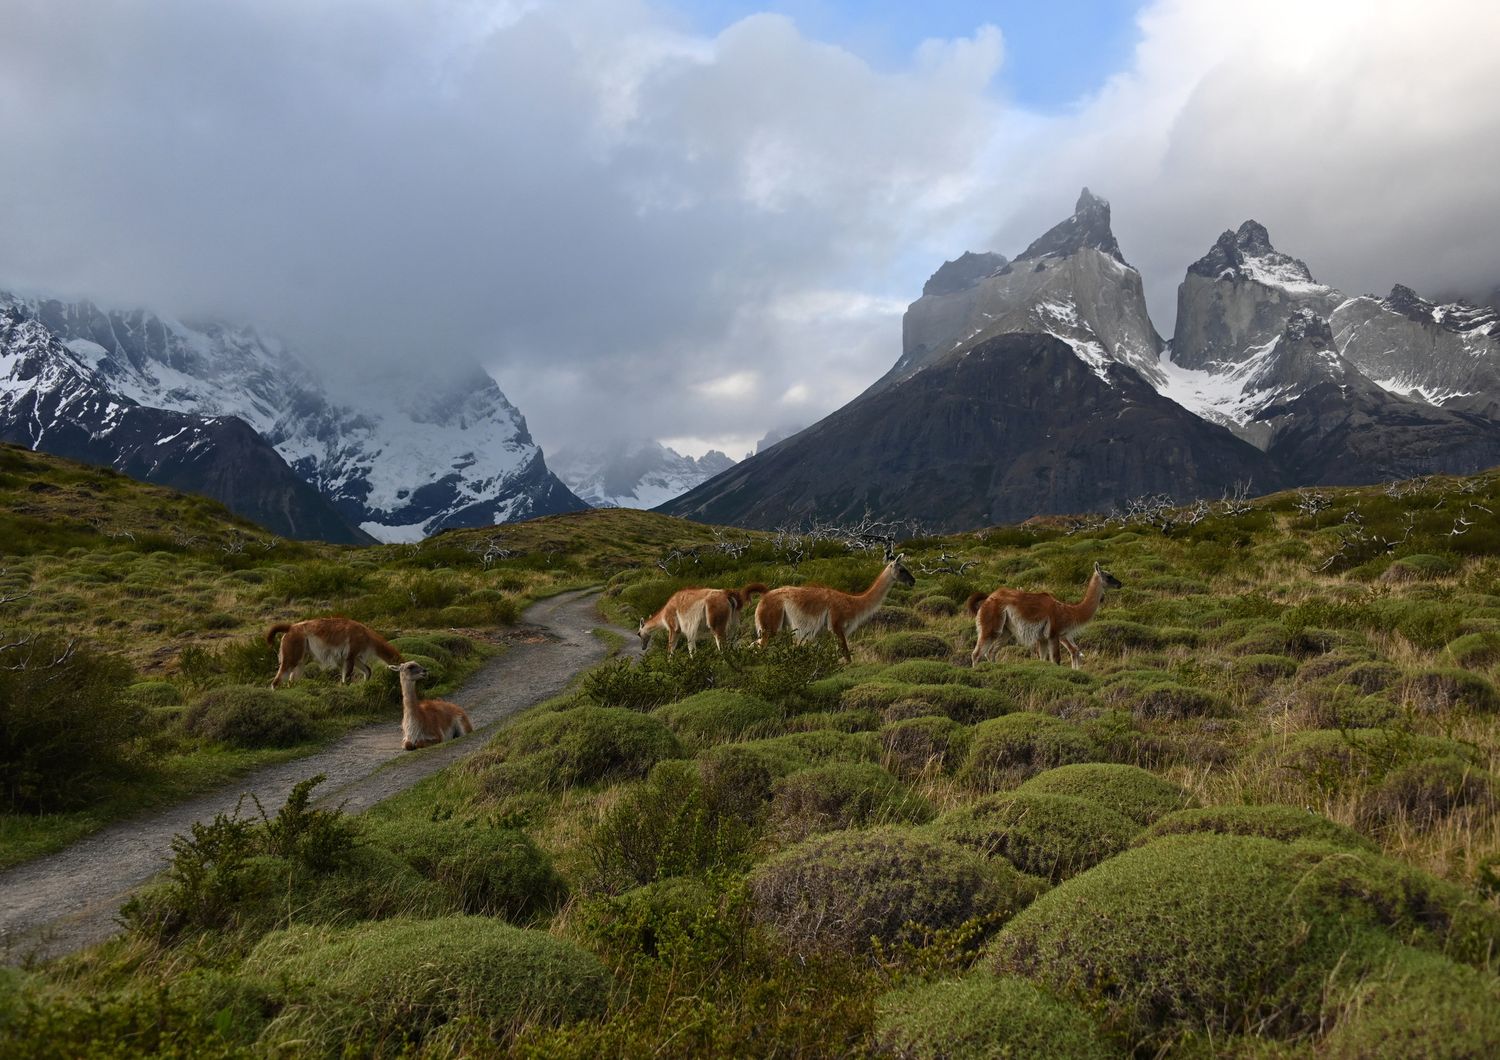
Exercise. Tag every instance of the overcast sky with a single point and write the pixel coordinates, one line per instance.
(698, 221)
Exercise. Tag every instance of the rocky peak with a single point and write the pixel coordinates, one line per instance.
(1088, 227)
(962, 273)
(1248, 253)
(1458, 317)
(1308, 329)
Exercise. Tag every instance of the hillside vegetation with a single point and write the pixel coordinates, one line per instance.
(1260, 821)
(132, 618)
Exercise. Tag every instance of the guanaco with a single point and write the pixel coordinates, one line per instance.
(1038, 620)
(810, 609)
(427, 721)
(692, 613)
(340, 643)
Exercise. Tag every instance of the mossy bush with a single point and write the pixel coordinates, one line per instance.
(837, 892)
(249, 716)
(239, 661)
(66, 726)
(1008, 749)
(1263, 669)
(583, 745)
(485, 869)
(1442, 690)
(911, 644)
(1416, 1004)
(1424, 792)
(985, 1017)
(891, 617)
(1211, 933)
(929, 672)
(642, 920)
(1051, 836)
(937, 604)
(1344, 760)
(957, 701)
(154, 694)
(843, 795)
(386, 986)
(1418, 567)
(1328, 705)
(838, 720)
(687, 819)
(1172, 701)
(1475, 651)
(716, 715)
(912, 746)
(1033, 684)
(1370, 677)
(1268, 821)
(788, 753)
(1128, 790)
(1273, 638)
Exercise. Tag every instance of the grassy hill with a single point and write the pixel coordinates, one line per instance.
(171, 594)
(1260, 821)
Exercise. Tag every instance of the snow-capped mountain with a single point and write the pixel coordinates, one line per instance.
(51, 398)
(640, 474)
(401, 459)
(1039, 385)
(1072, 283)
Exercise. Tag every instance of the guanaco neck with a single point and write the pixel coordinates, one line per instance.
(875, 595)
(1093, 596)
(408, 693)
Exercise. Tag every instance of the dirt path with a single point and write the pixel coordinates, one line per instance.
(65, 901)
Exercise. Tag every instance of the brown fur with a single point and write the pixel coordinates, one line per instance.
(810, 609)
(692, 613)
(425, 722)
(1038, 620)
(334, 643)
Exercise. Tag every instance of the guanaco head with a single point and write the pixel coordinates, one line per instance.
(645, 635)
(1110, 581)
(410, 667)
(903, 575)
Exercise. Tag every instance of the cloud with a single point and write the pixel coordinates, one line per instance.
(619, 214)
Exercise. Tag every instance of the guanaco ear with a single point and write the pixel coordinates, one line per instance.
(393, 666)
(1097, 568)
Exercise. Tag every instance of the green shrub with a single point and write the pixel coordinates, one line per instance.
(1340, 706)
(1128, 790)
(1009, 749)
(643, 919)
(781, 755)
(683, 821)
(892, 617)
(154, 694)
(840, 720)
(985, 1018)
(1263, 669)
(1117, 636)
(893, 647)
(429, 647)
(245, 661)
(716, 715)
(585, 745)
(1169, 700)
(1343, 759)
(1032, 685)
(1051, 836)
(249, 716)
(1284, 823)
(959, 702)
(316, 581)
(842, 795)
(914, 745)
(1476, 651)
(1419, 567)
(1439, 691)
(487, 870)
(1278, 640)
(1370, 677)
(383, 987)
(1208, 933)
(929, 672)
(837, 892)
(1424, 792)
(66, 723)
(1419, 1006)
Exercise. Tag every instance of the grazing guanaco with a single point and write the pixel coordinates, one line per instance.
(1038, 620)
(427, 721)
(810, 609)
(335, 643)
(692, 613)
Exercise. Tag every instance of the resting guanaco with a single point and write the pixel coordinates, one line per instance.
(427, 721)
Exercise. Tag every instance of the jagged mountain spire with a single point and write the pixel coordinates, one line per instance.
(1088, 227)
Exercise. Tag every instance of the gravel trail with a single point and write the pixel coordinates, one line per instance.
(65, 901)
